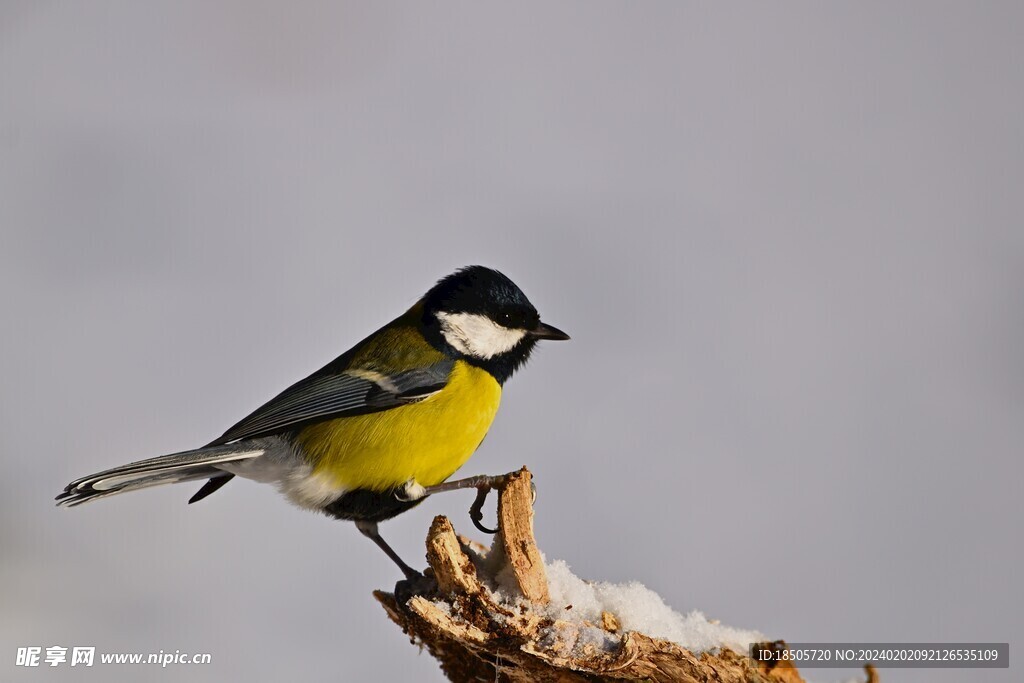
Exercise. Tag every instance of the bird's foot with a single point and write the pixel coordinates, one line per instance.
(483, 484)
(415, 584)
(476, 510)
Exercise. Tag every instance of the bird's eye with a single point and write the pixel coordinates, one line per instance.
(512, 319)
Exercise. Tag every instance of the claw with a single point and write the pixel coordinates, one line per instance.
(484, 529)
(476, 510)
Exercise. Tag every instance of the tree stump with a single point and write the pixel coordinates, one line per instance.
(476, 636)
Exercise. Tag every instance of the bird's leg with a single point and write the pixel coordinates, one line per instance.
(482, 483)
(414, 582)
(369, 529)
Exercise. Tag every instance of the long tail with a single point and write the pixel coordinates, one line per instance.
(166, 469)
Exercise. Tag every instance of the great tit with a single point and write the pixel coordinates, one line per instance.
(367, 436)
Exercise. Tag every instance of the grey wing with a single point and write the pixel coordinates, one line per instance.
(326, 396)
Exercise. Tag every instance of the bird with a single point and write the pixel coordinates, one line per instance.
(384, 425)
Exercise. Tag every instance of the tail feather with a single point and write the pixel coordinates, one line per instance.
(210, 487)
(167, 469)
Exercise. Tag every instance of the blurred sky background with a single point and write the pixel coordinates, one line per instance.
(787, 239)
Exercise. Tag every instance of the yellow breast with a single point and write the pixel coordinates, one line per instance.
(426, 441)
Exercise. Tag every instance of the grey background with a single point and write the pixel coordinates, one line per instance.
(786, 238)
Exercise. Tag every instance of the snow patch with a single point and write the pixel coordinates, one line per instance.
(638, 609)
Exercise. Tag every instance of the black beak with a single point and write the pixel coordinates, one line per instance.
(543, 331)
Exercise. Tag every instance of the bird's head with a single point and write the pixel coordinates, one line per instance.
(481, 315)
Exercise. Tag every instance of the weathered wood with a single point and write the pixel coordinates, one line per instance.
(475, 637)
(515, 526)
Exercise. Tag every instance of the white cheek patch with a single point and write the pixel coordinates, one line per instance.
(477, 335)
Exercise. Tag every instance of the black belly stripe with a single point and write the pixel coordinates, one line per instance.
(363, 505)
